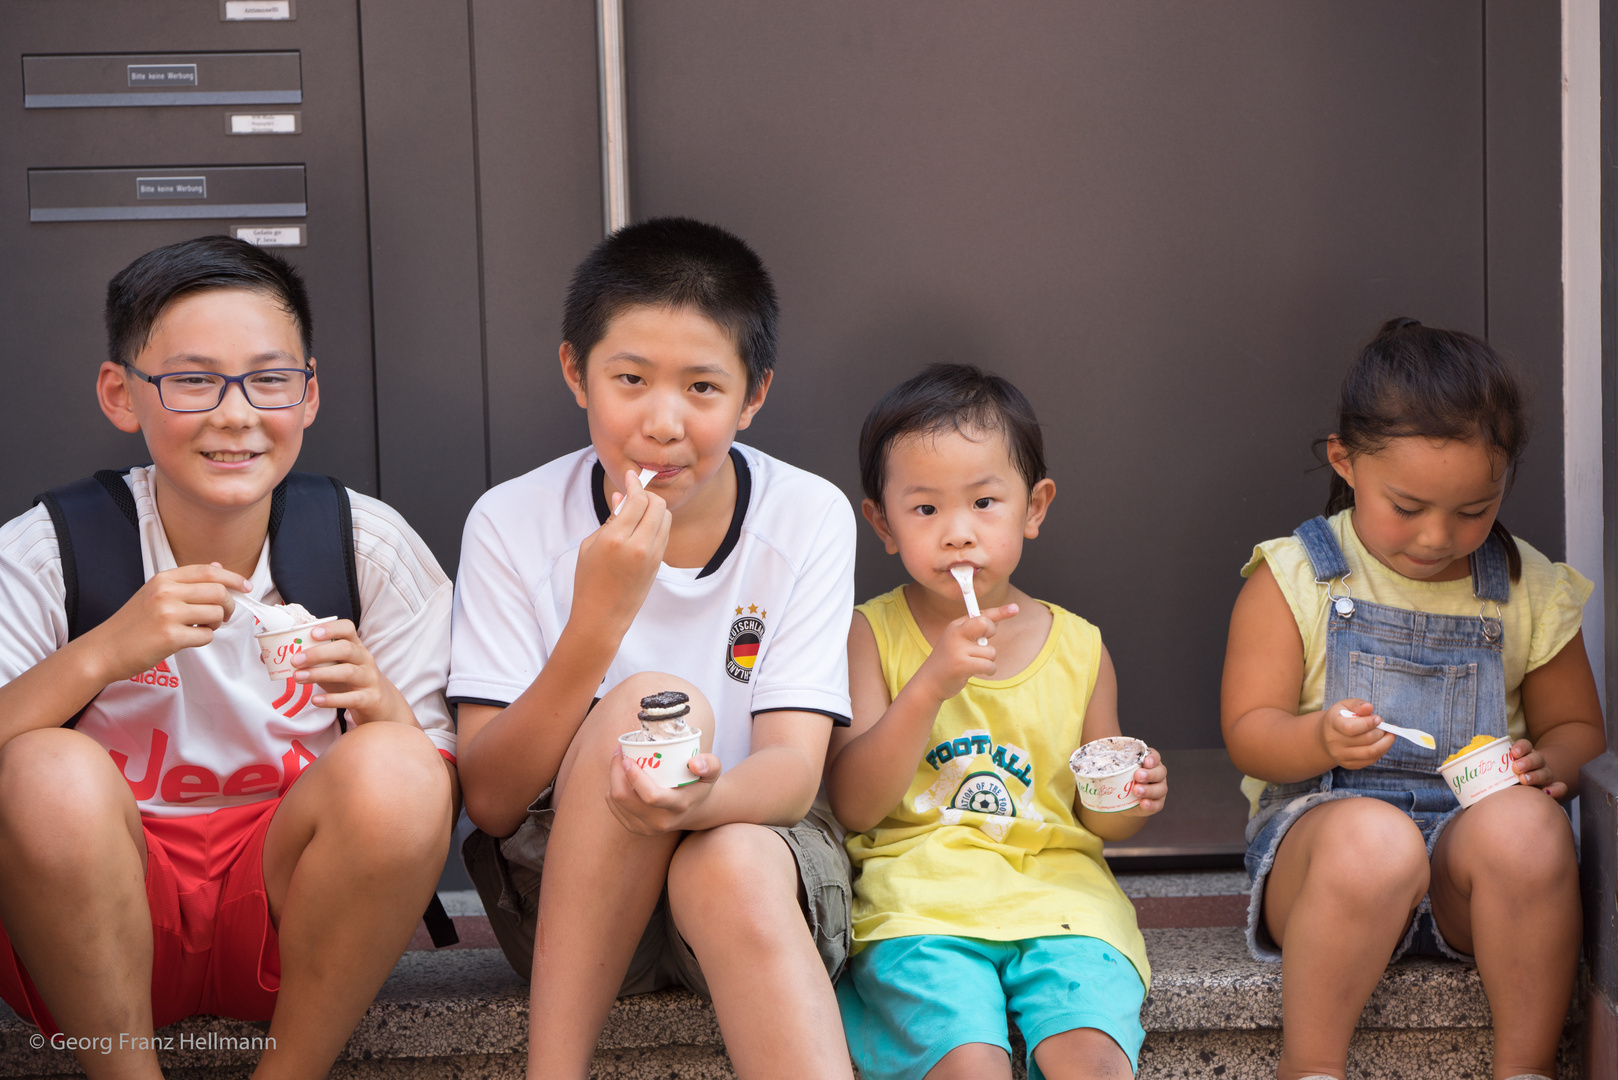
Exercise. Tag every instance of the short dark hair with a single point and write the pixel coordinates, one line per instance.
(1439, 384)
(675, 263)
(139, 292)
(950, 397)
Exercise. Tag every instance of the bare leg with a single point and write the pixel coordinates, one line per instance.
(1345, 881)
(1082, 1054)
(73, 894)
(973, 1061)
(599, 888)
(734, 891)
(1506, 890)
(350, 861)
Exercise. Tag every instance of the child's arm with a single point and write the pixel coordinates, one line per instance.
(177, 609)
(873, 761)
(508, 756)
(1151, 779)
(1564, 722)
(1263, 676)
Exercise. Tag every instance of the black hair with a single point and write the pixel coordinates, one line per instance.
(1439, 384)
(950, 397)
(675, 263)
(139, 292)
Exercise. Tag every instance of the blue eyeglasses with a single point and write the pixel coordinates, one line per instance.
(204, 391)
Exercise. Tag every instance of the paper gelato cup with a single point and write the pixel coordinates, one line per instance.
(664, 761)
(1115, 791)
(1480, 773)
(277, 647)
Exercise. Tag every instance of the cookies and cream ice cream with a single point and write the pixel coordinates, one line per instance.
(662, 717)
(664, 744)
(1104, 771)
(1107, 757)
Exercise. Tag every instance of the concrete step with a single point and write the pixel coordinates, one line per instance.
(1213, 1012)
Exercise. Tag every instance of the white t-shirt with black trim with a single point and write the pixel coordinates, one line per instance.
(762, 627)
(206, 728)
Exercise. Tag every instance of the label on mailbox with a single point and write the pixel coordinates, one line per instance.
(149, 76)
(248, 10)
(271, 235)
(263, 123)
(266, 194)
(171, 187)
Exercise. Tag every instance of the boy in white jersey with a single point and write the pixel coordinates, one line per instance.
(728, 577)
(180, 834)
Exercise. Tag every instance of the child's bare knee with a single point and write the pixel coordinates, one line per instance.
(387, 785)
(58, 773)
(1370, 850)
(1525, 840)
(743, 872)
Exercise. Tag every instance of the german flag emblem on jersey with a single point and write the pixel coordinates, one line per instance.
(746, 634)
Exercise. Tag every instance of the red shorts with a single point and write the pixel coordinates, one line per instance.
(214, 949)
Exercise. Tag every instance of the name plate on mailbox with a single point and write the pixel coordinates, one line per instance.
(145, 194)
(245, 78)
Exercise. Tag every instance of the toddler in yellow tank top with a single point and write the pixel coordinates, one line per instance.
(982, 890)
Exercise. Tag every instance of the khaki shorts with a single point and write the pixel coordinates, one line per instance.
(507, 873)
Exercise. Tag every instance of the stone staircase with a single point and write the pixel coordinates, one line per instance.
(1213, 1012)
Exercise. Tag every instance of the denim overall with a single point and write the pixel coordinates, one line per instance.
(1442, 674)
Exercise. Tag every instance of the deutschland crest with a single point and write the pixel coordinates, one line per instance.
(746, 634)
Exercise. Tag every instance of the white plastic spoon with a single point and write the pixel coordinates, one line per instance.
(1420, 738)
(270, 616)
(963, 577)
(646, 476)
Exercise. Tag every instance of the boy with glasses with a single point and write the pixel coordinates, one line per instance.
(179, 833)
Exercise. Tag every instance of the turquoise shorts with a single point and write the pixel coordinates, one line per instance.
(908, 1001)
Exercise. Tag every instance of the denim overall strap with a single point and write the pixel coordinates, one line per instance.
(1491, 571)
(1325, 554)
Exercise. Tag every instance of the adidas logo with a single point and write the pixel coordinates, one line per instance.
(158, 676)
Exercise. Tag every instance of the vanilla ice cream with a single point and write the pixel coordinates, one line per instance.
(274, 617)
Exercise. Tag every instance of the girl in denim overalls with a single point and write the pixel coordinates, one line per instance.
(1411, 602)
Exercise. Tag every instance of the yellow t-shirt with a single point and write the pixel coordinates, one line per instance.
(986, 844)
(1543, 614)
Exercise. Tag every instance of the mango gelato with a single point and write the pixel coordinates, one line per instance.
(1477, 741)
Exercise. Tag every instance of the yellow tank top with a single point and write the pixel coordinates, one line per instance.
(986, 843)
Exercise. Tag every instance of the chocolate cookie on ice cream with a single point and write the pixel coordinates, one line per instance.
(662, 715)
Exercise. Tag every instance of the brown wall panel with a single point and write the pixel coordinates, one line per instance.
(1523, 106)
(419, 141)
(540, 168)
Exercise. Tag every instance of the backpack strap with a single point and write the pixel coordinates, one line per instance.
(312, 549)
(312, 545)
(98, 535)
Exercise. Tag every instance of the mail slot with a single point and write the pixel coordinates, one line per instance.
(158, 193)
(245, 78)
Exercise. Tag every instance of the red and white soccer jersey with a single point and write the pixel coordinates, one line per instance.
(762, 628)
(207, 728)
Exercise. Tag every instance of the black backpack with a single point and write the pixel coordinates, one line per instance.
(311, 563)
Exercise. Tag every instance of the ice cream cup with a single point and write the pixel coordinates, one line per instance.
(1109, 794)
(663, 761)
(277, 647)
(1481, 773)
